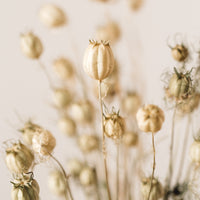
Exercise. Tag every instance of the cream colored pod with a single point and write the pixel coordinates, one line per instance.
(130, 139)
(88, 143)
(150, 118)
(31, 45)
(114, 126)
(19, 158)
(87, 176)
(74, 167)
(179, 53)
(195, 152)
(98, 60)
(43, 142)
(24, 189)
(56, 183)
(64, 68)
(52, 16)
(156, 191)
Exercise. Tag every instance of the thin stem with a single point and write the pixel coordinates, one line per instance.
(103, 142)
(154, 165)
(65, 176)
(125, 172)
(117, 171)
(97, 185)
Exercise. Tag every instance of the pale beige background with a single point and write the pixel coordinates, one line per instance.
(24, 88)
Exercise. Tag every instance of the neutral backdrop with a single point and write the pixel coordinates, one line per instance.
(25, 90)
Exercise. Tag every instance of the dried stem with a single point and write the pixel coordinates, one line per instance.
(125, 172)
(104, 143)
(154, 165)
(97, 185)
(65, 176)
(117, 171)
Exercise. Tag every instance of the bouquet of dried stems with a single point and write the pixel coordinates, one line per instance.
(87, 117)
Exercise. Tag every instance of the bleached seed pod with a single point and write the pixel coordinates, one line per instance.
(179, 53)
(131, 103)
(180, 86)
(64, 68)
(195, 152)
(43, 142)
(28, 131)
(114, 126)
(130, 139)
(87, 176)
(150, 118)
(62, 98)
(19, 158)
(88, 143)
(25, 189)
(98, 60)
(82, 112)
(31, 45)
(74, 167)
(52, 16)
(156, 191)
(67, 126)
(56, 183)
(109, 32)
(135, 5)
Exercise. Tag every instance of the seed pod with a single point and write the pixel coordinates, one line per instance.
(74, 167)
(98, 60)
(156, 191)
(131, 103)
(52, 16)
(82, 112)
(109, 32)
(135, 4)
(19, 158)
(67, 126)
(114, 126)
(43, 142)
(195, 152)
(87, 176)
(25, 189)
(62, 98)
(179, 53)
(31, 45)
(150, 118)
(28, 131)
(180, 86)
(130, 139)
(88, 143)
(64, 68)
(56, 183)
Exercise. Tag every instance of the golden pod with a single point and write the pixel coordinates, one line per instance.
(195, 152)
(19, 158)
(31, 45)
(52, 16)
(135, 4)
(150, 118)
(67, 126)
(98, 60)
(64, 68)
(156, 191)
(179, 53)
(88, 143)
(74, 167)
(43, 142)
(56, 183)
(130, 139)
(87, 176)
(114, 126)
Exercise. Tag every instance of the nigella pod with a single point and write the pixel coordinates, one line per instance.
(98, 60)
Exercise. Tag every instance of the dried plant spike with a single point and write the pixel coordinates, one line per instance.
(31, 45)
(43, 142)
(179, 53)
(19, 158)
(52, 16)
(98, 60)
(87, 176)
(114, 125)
(64, 68)
(195, 152)
(156, 192)
(67, 126)
(150, 118)
(130, 139)
(56, 183)
(74, 167)
(88, 143)
(135, 5)
(25, 189)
